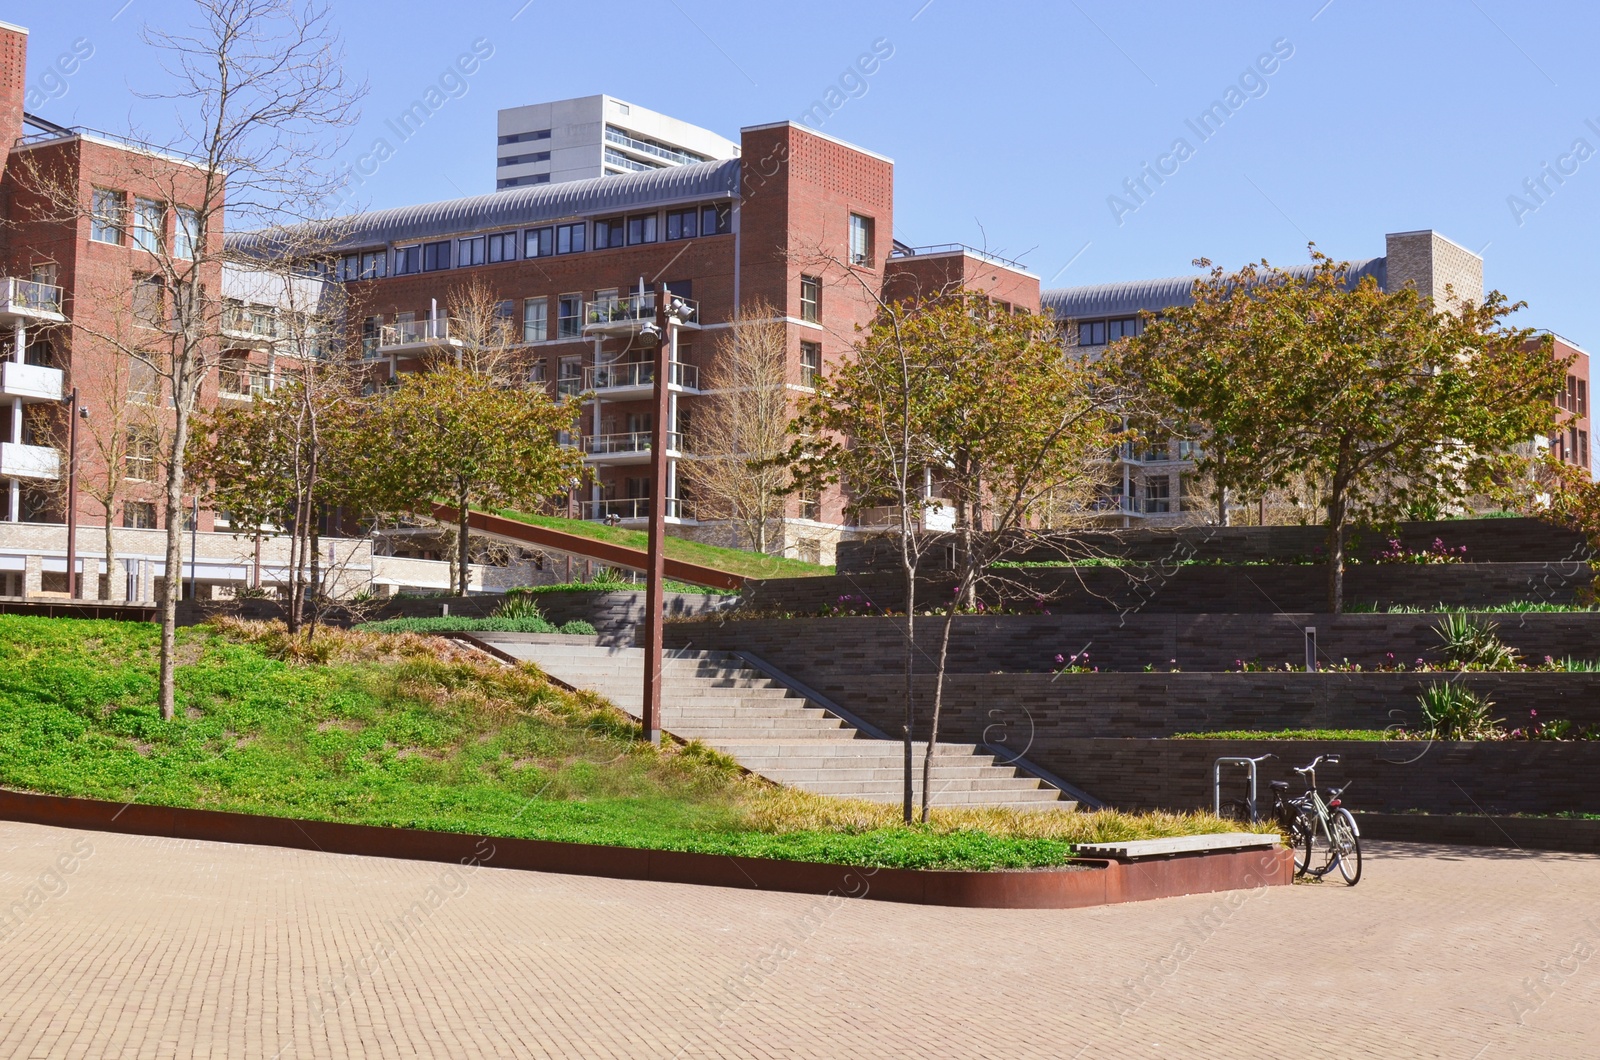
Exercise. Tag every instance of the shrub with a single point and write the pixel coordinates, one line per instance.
(450, 623)
(1451, 712)
(518, 605)
(1471, 644)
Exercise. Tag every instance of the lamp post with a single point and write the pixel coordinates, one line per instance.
(72, 493)
(663, 336)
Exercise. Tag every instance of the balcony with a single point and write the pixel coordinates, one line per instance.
(622, 139)
(630, 448)
(415, 335)
(242, 384)
(30, 382)
(637, 379)
(39, 462)
(628, 509)
(29, 300)
(626, 316)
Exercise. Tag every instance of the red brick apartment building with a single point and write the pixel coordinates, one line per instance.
(800, 222)
(1572, 442)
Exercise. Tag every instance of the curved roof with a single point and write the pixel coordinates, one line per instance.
(531, 205)
(1153, 296)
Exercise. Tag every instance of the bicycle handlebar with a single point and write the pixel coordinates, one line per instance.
(1332, 760)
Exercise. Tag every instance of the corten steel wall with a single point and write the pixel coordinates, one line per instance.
(1486, 541)
(1392, 777)
(1204, 589)
(853, 647)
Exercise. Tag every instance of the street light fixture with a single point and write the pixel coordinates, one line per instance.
(660, 336)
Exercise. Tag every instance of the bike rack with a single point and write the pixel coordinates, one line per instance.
(1216, 783)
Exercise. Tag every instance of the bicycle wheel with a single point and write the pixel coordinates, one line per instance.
(1299, 830)
(1321, 851)
(1347, 844)
(1237, 810)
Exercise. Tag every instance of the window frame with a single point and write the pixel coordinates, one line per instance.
(570, 235)
(691, 214)
(648, 228)
(499, 243)
(810, 372)
(569, 326)
(185, 233)
(543, 240)
(811, 308)
(438, 253)
(862, 225)
(113, 221)
(470, 251)
(542, 305)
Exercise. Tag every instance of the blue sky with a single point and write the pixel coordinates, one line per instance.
(1013, 123)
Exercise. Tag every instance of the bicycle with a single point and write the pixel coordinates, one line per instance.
(1317, 829)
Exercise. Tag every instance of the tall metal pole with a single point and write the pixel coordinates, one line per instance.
(654, 598)
(72, 498)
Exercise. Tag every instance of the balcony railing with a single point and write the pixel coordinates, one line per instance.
(415, 333)
(256, 324)
(569, 386)
(630, 442)
(629, 312)
(622, 139)
(622, 161)
(30, 382)
(29, 296)
(628, 508)
(637, 375)
(242, 383)
(29, 461)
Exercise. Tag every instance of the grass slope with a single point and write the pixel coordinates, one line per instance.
(412, 731)
(732, 560)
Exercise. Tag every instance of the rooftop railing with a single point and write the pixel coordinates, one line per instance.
(957, 248)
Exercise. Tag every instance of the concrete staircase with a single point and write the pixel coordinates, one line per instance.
(772, 731)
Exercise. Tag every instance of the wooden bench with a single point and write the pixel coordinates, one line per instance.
(1135, 849)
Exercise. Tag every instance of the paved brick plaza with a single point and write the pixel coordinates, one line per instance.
(146, 947)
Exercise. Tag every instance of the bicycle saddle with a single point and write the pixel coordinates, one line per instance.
(1279, 785)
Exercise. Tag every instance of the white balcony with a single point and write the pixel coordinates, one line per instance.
(415, 335)
(30, 382)
(29, 461)
(634, 380)
(630, 448)
(627, 316)
(28, 300)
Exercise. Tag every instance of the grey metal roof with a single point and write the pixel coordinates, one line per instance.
(519, 206)
(1153, 296)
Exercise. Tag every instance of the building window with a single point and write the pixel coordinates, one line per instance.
(105, 222)
(1158, 495)
(860, 240)
(810, 363)
(139, 515)
(186, 234)
(612, 232)
(535, 320)
(522, 138)
(502, 247)
(514, 182)
(569, 377)
(1124, 328)
(642, 229)
(149, 302)
(139, 459)
(538, 242)
(436, 256)
(1583, 397)
(569, 238)
(1092, 333)
(569, 316)
(811, 299)
(1583, 448)
(683, 224)
(716, 220)
(810, 504)
(471, 251)
(517, 160)
(367, 265)
(407, 260)
(149, 224)
(537, 372)
(143, 386)
(808, 550)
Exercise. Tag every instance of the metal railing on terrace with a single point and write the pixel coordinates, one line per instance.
(414, 332)
(624, 162)
(628, 508)
(957, 248)
(629, 442)
(32, 295)
(622, 139)
(638, 374)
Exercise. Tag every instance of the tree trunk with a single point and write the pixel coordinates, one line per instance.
(1336, 553)
(462, 566)
(938, 702)
(297, 556)
(1222, 506)
(314, 583)
(910, 663)
(172, 580)
(111, 560)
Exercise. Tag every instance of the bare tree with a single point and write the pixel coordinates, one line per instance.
(740, 435)
(260, 103)
(483, 336)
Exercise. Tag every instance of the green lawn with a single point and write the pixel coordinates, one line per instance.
(412, 731)
(732, 560)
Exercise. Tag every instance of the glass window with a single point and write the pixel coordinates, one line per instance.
(569, 377)
(435, 256)
(609, 233)
(811, 298)
(535, 320)
(139, 457)
(186, 235)
(139, 515)
(1158, 495)
(569, 316)
(105, 223)
(683, 224)
(538, 242)
(470, 251)
(1092, 333)
(407, 260)
(149, 302)
(144, 388)
(810, 363)
(810, 504)
(503, 247)
(569, 238)
(642, 229)
(373, 264)
(716, 219)
(149, 224)
(860, 240)
(537, 372)
(1125, 328)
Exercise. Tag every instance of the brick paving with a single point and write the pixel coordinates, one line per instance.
(120, 946)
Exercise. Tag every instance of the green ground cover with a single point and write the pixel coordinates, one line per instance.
(732, 560)
(412, 731)
(1293, 734)
(493, 624)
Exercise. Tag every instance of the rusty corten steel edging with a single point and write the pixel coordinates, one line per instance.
(604, 551)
